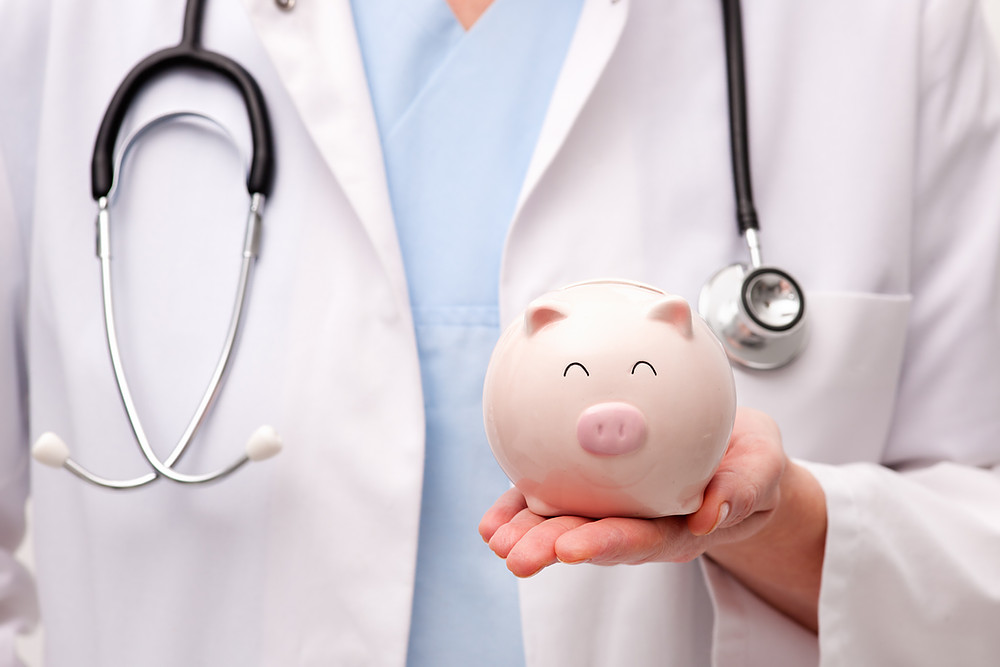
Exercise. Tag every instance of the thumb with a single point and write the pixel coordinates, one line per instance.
(715, 509)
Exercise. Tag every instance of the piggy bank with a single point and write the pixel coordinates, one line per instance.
(609, 398)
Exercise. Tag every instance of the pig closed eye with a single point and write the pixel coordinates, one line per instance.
(579, 365)
(643, 363)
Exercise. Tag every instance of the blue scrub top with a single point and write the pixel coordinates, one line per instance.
(459, 113)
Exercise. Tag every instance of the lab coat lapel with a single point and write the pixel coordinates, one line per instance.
(315, 50)
(598, 31)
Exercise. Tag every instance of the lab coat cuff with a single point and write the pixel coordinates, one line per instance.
(840, 557)
(748, 631)
(909, 573)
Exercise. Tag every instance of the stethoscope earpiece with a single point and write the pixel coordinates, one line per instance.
(50, 450)
(263, 444)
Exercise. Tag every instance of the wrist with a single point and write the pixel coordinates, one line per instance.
(782, 562)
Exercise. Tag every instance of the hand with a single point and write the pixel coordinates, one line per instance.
(763, 518)
(738, 502)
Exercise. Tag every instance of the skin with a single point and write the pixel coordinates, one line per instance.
(468, 11)
(763, 518)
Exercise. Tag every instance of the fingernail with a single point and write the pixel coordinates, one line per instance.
(570, 561)
(723, 514)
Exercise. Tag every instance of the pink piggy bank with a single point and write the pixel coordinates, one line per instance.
(609, 398)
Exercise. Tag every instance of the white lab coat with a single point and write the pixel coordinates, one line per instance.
(877, 172)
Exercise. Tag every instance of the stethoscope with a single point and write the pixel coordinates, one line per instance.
(189, 53)
(757, 311)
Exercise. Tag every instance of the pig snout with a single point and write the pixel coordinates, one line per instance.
(610, 429)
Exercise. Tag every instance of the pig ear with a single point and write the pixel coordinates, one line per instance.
(543, 313)
(673, 310)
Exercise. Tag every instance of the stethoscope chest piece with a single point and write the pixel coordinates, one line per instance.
(757, 313)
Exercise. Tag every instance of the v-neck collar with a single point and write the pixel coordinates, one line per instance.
(316, 53)
(406, 43)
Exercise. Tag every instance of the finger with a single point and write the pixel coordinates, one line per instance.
(731, 497)
(621, 540)
(504, 509)
(509, 534)
(536, 547)
(714, 510)
(747, 478)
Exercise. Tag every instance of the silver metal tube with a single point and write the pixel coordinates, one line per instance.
(753, 244)
(251, 246)
(104, 253)
(88, 476)
(251, 241)
(165, 468)
(111, 332)
(103, 242)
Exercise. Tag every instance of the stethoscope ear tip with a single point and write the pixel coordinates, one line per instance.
(263, 444)
(51, 450)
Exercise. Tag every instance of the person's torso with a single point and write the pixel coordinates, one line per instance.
(308, 558)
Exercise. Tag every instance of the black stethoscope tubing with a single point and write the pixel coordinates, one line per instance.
(189, 53)
(746, 211)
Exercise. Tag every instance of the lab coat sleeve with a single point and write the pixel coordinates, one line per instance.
(911, 573)
(22, 44)
(17, 601)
